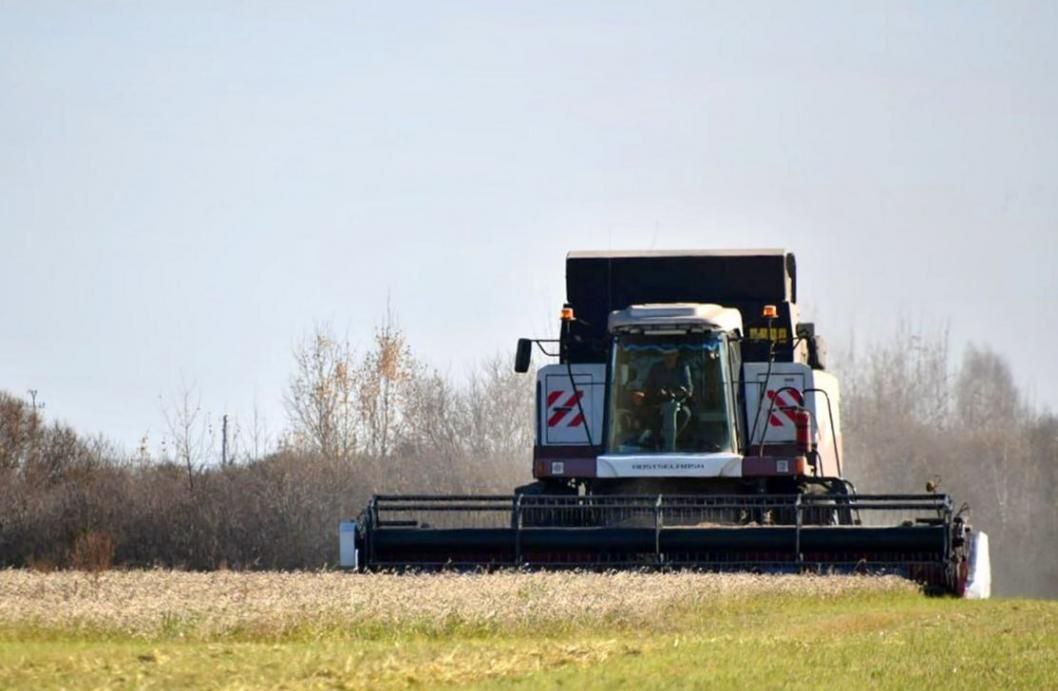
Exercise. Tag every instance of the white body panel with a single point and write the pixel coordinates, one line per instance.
(787, 385)
(348, 554)
(979, 582)
(560, 422)
(669, 465)
(677, 315)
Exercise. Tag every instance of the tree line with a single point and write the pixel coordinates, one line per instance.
(383, 420)
(357, 424)
(910, 416)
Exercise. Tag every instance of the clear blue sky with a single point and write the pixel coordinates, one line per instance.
(186, 188)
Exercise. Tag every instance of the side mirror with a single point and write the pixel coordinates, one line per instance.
(524, 355)
(817, 353)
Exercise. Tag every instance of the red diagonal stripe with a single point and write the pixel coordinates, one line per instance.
(785, 407)
(575, 422)
(777, 406)
(552, 397)
(772, 420)
(561, 411)
(556, 417)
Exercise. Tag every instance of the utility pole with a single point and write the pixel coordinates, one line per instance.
(224, 440)
(34, 406)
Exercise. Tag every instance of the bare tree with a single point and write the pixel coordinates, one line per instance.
(991, 419)
(433, 416)
(320, 400)
(499, 409)
(985, 391)
(384, 378)
(895, 399)
(259, 437)
(187, 429)
(19, 426)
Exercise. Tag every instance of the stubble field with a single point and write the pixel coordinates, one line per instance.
(160, 629)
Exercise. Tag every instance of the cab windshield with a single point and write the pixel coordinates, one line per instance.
(669, 394)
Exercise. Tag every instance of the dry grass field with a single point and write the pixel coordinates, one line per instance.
(161, 629)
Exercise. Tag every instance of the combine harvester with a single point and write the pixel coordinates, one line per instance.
(689, 423)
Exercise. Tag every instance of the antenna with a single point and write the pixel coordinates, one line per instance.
(34, 406)
(224, 441)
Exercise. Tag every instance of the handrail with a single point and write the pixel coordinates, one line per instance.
(518, 530)
(833, 429)
(658, 519)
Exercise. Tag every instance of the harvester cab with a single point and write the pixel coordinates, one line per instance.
(690, 374)
(689, 422)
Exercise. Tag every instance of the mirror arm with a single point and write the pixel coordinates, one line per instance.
(524, 356)
(540, 344)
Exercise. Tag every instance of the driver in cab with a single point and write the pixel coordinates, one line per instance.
(667, 379)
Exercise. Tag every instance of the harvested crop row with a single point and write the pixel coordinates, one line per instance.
(148, 603)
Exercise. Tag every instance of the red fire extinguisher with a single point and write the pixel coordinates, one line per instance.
(803, 431)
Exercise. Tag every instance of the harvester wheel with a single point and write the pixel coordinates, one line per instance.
(839, 489)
